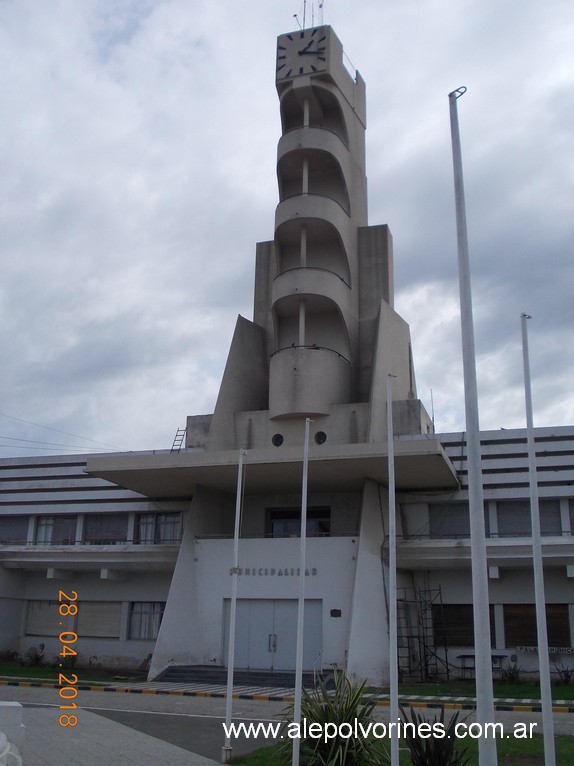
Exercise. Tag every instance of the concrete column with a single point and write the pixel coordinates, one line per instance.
(301, 323)
(565, 517)
(303, 246)
(305, 183)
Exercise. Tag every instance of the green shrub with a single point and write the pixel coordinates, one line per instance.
(511, 673)
(35, 656)
(565, 673)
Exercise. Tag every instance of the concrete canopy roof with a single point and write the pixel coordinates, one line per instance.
(420, 464)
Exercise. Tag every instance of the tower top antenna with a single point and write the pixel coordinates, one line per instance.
(316, 8)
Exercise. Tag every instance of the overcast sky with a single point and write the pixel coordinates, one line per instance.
(137, 155)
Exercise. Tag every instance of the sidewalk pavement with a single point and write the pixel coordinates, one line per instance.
(97, 741)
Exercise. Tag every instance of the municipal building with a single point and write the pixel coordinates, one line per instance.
(145, 539)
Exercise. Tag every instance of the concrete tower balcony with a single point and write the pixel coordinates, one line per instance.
(313, 281)
(319, 139)
(323, 247)
(306, 380)
(319, 206)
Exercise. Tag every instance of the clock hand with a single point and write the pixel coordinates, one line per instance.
(312, 53)
(306, 48)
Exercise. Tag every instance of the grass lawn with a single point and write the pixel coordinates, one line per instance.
(456, 688)
(511, 752)
(48, 673)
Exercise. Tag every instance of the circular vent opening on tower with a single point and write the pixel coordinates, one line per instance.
(320, 437)
(277, 440)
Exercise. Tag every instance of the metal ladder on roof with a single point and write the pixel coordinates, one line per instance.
(179, 440)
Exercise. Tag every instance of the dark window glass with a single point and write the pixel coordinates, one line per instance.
(451, 521)
(56, 530)
(286, 522)
(106, 528)
(550, 519)
(157, 528)
(145, 619)
(453, 625)
(520, 625)
(514, 518)
(13, 530)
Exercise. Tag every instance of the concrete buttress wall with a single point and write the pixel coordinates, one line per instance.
(180, 640)
(244, 386)
(368, 654)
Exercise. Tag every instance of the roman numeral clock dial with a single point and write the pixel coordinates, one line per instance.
(302, 52)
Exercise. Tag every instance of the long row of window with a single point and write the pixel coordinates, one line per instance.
(92, 529)
(453, 625)
(510, 519)
(97, 619)
(149, 528)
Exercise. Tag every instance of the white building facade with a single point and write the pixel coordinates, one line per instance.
(145, 539)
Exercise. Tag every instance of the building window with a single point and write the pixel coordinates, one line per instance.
(106, 528)
(158, 528)
(453, 625)
(13, 530)
(56, 530)
(145, 619)
(286, 522)
(99, 619)
(451, 521)
(550, 519)
(520, 625)
(514, 518)
(43, 619)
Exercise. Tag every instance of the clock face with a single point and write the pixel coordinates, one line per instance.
(302, 52)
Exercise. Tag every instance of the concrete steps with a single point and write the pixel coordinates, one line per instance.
(209, 674)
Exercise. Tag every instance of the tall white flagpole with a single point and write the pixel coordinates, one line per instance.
(393, 649)
(483, 661)
(301, 603)
(537, 565)
(226, 749)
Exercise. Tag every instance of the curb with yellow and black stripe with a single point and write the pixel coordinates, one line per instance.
(449, 703)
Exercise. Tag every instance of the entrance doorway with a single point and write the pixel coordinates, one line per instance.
(266, 633)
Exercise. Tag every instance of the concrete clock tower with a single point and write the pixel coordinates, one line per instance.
(323, 340)
(324, 334)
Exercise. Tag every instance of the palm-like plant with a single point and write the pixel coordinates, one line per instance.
(430, 750)
(344, 704)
